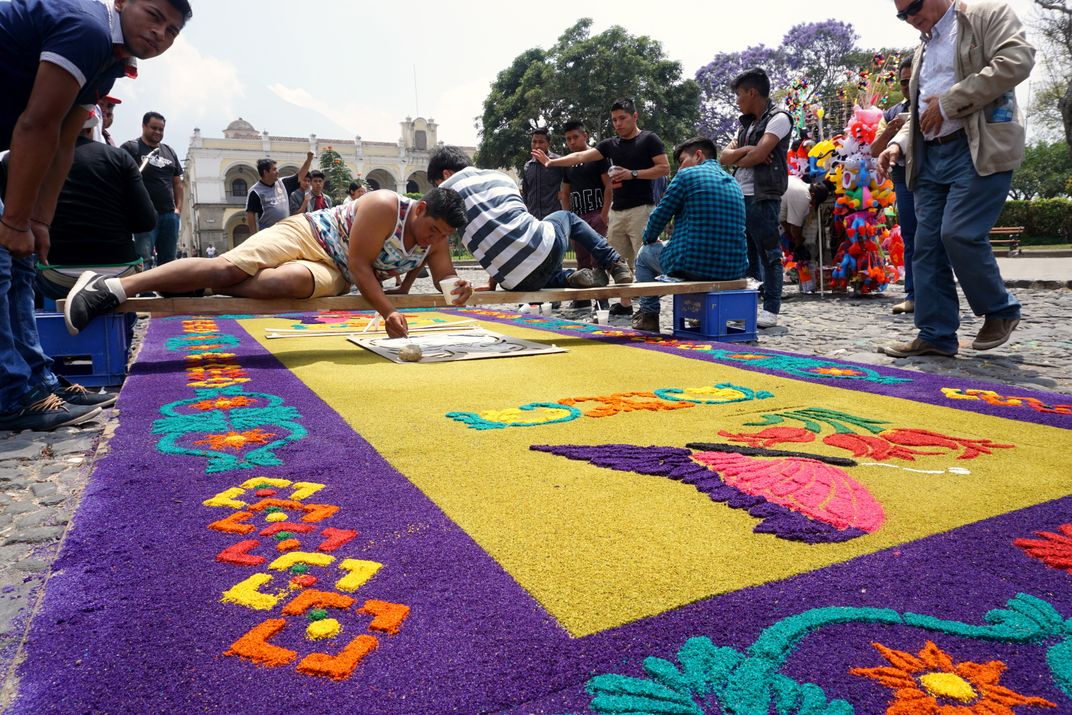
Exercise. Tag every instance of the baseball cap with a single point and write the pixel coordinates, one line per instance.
(109, 99)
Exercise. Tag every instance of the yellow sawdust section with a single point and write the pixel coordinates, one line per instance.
(599, 548)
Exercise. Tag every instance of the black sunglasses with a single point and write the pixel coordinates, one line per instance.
(911, 10)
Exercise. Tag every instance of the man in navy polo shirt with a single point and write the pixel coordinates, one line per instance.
(57, 59)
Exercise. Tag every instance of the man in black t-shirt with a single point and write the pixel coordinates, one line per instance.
(103, 202)
(162, 173)
(637, 158)
(590, 194)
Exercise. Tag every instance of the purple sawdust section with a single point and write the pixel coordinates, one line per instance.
(132, 623)
(959, 576)
(919, 387)
(677, 464)
(132, 620)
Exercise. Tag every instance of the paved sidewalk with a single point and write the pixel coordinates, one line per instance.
(42, 475)
(1027, 270)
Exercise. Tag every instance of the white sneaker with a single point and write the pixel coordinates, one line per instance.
(765, 319)
(753, 284)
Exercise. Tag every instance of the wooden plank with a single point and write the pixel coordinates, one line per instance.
(223, 305)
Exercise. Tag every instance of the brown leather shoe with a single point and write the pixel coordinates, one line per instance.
(995, 332)
(914, 348)
(908, 306)
(648, 322)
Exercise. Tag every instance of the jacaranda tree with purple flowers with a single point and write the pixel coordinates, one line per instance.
(822, 53)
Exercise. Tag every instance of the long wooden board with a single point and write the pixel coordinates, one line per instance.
(223, 305)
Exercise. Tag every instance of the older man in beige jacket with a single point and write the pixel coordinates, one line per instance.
(965, 138)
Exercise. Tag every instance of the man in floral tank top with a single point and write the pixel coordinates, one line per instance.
(307, 256)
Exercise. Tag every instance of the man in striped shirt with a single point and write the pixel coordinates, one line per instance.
(517, 250)
(709, 241)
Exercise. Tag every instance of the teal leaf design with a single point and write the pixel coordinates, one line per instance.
(728, 682)
(622, 694)
(1059, 658)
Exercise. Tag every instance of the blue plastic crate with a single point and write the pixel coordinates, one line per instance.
(726, 316)
(97, 356)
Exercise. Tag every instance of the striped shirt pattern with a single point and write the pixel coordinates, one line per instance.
(501, 234)
(709, 240)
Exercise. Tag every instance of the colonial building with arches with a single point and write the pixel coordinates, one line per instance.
(219, 173)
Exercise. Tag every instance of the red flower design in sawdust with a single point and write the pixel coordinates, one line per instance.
(770, 437)
(1054, 550)
(931, 683)
(235, 440)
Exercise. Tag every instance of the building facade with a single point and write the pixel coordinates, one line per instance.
(220, 172)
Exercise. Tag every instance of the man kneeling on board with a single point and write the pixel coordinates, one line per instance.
(307, 256)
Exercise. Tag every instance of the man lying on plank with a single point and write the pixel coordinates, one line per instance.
(307, 256)
(519, 251)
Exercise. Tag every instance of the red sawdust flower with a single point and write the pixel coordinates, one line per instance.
(930, 683)
(235, 440)
(1054, 550)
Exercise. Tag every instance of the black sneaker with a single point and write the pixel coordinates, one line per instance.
(47, 414)
(88, 298)
(580, 304)
(620, 272)
(74, 394)
(619, 309)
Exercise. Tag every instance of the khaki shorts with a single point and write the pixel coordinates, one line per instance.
(626, 231)
(289, 241)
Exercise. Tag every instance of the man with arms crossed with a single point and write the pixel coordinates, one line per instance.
(638, 157)
(760, 154)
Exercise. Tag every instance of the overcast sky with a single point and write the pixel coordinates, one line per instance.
(337, 69)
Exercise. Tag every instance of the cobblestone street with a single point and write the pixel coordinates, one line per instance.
(43, 475)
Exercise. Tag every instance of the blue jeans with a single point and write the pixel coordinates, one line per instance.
(955, 210)
(24, 367)
(164, 238)
(906, 217)
(568, 227)
(648, 267)
(765, 250)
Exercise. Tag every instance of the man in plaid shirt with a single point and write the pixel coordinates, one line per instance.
(709, 242)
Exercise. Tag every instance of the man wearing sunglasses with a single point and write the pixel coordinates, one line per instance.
(960, 147)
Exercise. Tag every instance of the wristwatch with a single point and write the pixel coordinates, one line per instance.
(633, 173)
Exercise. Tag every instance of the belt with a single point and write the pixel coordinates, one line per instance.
(948, 138)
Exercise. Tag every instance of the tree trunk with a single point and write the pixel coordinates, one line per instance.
(1065, 104)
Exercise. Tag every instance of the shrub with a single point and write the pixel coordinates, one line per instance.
(1044, 220)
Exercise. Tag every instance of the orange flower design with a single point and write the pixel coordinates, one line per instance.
(235, 440)
(931, 683)
(837, 372)
(223, 403)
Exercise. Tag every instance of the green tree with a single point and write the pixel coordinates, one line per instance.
(579, 77)
(1052, 105)
(1045, 172)
(337, 176)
